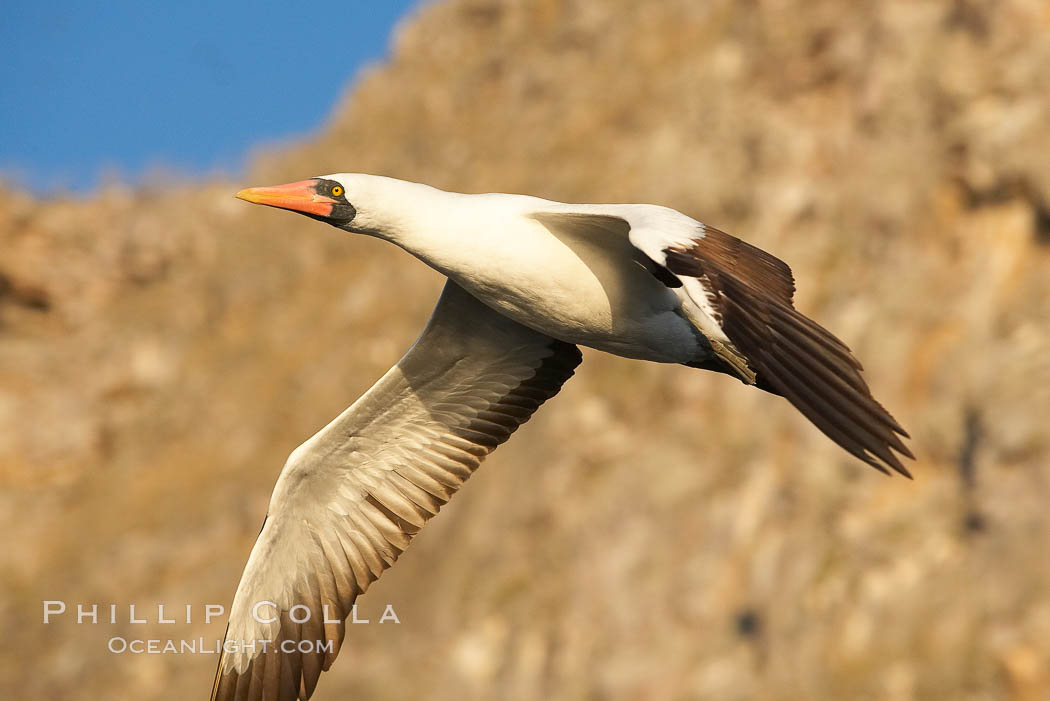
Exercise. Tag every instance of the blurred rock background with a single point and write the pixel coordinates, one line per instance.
(656, 532)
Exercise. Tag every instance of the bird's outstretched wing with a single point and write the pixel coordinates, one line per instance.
(349, 500)
(740, 298)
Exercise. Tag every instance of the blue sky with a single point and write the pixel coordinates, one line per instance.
(95, 88)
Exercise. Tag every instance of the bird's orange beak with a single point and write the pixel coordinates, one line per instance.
(297, 197)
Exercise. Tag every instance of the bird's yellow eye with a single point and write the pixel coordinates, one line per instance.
(337, 191)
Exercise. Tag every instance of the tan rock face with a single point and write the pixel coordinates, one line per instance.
(162, 350)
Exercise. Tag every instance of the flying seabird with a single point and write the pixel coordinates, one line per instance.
(529, 280)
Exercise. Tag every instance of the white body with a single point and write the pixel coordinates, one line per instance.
(591, 293)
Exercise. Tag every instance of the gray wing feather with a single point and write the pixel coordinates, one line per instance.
(349, 500)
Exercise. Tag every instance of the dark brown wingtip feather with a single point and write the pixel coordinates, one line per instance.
(814, 371)
(219, 687)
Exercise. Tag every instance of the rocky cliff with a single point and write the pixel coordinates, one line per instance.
(656, 532)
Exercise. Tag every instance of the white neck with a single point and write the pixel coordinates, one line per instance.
(451, 232)
(391, 209)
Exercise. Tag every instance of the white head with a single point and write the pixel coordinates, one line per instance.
(365, 204)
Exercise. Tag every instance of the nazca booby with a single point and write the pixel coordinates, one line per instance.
(529, 280)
